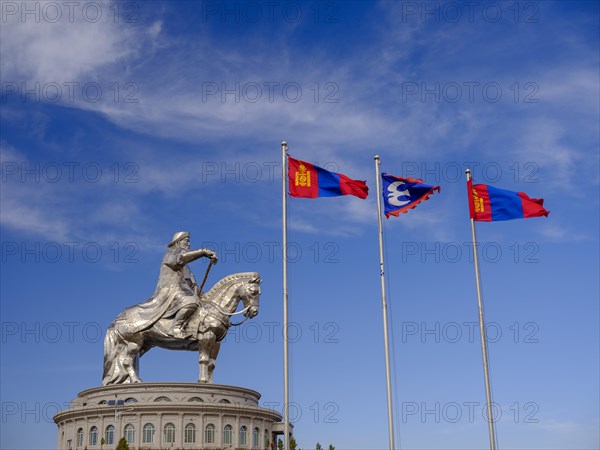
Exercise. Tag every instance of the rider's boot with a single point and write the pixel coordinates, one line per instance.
(177, 330)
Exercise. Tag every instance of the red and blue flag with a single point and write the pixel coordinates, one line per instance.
(490, 204)
(401, 194)
(309, 181)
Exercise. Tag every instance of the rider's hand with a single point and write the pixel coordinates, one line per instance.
(213, 257)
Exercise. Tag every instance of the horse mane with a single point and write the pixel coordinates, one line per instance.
(229, 280)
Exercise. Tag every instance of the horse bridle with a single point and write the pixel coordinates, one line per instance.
(243, 311)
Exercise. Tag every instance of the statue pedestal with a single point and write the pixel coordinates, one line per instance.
(168, 415)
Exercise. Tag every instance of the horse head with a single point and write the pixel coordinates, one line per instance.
(249, 292)
(227, 293)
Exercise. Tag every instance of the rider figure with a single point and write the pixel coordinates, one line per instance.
(178, 278)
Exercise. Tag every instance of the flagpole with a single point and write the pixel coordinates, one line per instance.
(486, 374)
(286, 378)
(384, 307)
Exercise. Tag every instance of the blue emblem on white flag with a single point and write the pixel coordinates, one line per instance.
(401, 194)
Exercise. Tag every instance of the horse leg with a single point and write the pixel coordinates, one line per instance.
(206, 342)
(131, 361)
(212, 360)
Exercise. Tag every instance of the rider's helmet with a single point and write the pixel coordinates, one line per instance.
(178, 237)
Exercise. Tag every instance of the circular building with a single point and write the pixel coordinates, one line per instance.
(168, 416)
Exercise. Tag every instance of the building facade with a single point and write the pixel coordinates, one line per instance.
(168, 416)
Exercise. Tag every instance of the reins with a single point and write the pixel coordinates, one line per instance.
(225, 313)
(221, 310)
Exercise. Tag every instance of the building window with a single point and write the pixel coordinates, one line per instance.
(148, 433)
(93, 436)
(224, 401)
(190, 434)
(255, 437)
(243, 431)
(109, 435)
(266, 439)
(130, 400)
(169, 431)
(162, 399)
(209, 434)
(228, 434)
(195, 399)
(130, 433)
(80, 437)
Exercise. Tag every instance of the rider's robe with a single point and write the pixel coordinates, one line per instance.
(175, 289)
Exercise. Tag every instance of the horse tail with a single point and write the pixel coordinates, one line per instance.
(114, 350)
(109, 346)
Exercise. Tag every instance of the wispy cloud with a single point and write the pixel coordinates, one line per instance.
(562, 234)
(20, 203)
(193, 91)
(71, 48)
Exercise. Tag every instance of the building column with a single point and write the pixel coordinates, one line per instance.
(200, 437)
(159, 431)
(220, 431)
(236, 434)
(179, 434)
(101, 431)
(139, 431)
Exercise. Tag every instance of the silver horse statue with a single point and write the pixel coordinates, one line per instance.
(203, 331)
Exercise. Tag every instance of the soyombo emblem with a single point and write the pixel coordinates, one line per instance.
(478, 202)
(306, 180)
(489, 204)
(302, 176)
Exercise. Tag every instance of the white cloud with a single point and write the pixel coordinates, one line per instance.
(557, 233)
(19, 202)
(172, 76)
(31, 219)
(10, 155)
(40, 50)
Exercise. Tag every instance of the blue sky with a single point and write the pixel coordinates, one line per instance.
(123, 123)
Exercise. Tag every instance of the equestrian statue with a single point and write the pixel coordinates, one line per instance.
(178, 316)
